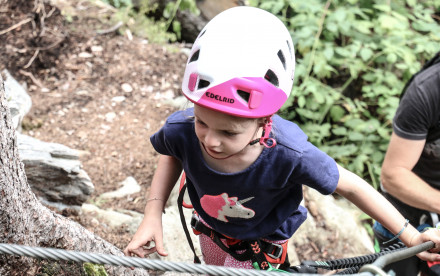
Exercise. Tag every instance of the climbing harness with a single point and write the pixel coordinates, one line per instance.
(259, 251)
(263, 254)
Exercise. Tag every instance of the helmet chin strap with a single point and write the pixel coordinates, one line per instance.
(265, 135)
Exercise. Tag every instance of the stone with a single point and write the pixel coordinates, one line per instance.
(54, 172)
(19, 101)
(129, 186)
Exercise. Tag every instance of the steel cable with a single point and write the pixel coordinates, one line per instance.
(68, 255)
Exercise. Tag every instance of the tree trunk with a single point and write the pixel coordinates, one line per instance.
(24, 220)
(191, 23)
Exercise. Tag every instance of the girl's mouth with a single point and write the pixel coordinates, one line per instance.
(213, 153)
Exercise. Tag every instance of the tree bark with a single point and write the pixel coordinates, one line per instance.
(24, 220)
(191, 23)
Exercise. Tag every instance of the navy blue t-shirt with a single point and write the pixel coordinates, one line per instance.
(262, 201)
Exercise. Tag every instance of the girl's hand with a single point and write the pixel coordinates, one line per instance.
(431, 234)
(148, 239)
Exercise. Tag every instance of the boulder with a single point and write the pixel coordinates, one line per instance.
(19, 101)
(54, 173)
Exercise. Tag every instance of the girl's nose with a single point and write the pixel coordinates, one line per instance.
(211, 139)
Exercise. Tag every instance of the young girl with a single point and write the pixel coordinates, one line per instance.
(245, 166)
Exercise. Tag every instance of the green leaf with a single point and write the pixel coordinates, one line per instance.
(384, 8)
(341, 131)
(359, 161)
(332, 27)
(384, 132)
(340, 15)
(363, 26)
(366, 54)
(336, 113)
(301, 101)
(343, 52)
(328, 53)
(411, 3)
(355, 136)
(169, 8)
(391, 58)
(354, 122)
(338, 151)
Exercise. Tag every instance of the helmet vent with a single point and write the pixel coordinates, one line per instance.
(202, 34)
(203, 84)
(290, 48)
(282, 58)
(195, 56)
(271, 77)
(244, 95)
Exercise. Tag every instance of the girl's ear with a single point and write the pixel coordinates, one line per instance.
(262, 122)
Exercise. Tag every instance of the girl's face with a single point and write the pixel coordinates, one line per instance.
(223, 135)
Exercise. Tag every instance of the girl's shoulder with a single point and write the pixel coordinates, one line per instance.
(289, 134)
(181, 117)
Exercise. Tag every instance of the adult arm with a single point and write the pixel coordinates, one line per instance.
(366, 198)
(165, 177)
(399, 180)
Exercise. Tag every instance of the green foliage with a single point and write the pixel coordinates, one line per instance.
(164, 30)
(94, 269)
(142, 26)
(61, 268)
(119, 3)
(170, 13)
(353, 59)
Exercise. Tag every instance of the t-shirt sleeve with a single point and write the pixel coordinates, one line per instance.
(160, 142)
(417, 111)
(318, 170)
(171, 138)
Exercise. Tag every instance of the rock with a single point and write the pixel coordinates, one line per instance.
(126, 87)
(18, 100)
(110, 116)
(54, 172)
(118, 99)
(112, 218)
(129, 186)
(176, 243)
(341, 218)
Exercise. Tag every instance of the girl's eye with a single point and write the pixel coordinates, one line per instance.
(227, 133)
(200, 123)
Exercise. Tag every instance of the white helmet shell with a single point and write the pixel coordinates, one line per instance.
(242, 63)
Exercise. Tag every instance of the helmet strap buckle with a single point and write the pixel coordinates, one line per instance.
(266, 132)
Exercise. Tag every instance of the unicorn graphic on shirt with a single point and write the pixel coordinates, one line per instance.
(222, 206)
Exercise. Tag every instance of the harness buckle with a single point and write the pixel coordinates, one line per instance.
(194, 220)
(277, 252)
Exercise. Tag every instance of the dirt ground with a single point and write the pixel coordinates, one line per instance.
(77, 81)
(98, 93)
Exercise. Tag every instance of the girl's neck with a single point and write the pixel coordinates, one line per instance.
(236, 162)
